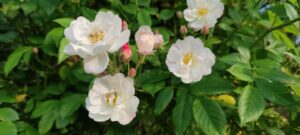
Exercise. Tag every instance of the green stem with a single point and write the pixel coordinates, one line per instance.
(140, 61)
(275, 28)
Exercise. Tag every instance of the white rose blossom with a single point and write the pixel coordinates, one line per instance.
(92, 40)
(203, 13)
(112, 97)
(190, 60)
(146, 40)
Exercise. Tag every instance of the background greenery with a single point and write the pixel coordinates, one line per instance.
(42, 91)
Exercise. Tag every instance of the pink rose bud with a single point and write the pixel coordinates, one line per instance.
(124, 25)
(132, 72)
(205, 30)
(144, 39)
(158, 40)
(183, 29)
(126, 53)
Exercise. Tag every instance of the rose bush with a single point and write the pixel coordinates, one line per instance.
(210, 67)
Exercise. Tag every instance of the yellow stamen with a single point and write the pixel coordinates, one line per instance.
(187, 58)
(202, 11)
(111, 98)
(96, 36)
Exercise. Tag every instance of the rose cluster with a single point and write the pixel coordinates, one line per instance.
(113, 96)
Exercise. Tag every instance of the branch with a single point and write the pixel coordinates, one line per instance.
(275, 28)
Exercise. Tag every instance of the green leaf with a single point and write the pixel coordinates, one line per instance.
(145, 3)
(182, 112)
(163, 99)
(26, 129)
(235, 15)
(8, 114)
(8, 37)
(14, 58)
(251, 105)
(154, 60)
(70, 104)
(208, 86)
(212, 41)
(27, 57)
(8, 128)
(292, 13)
(46, 122)
(286, 39)
(44, 107)
(265, 63)
(232, 58)
(209, 116)
(88, 13)
(130, 8)
(153, 88)
(275, 92)
(275, 131)
(151, 76)
(242, 72)
(166, 14)
(29, 105)
(52, 40)
(273, 75)
(64, 22)
(115, 2)
(245, 53)
(144, 18)
(49, 6)
(62, 122)
(29, 6)
(61, 55)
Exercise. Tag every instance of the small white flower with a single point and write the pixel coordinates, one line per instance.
(112, 97)
(190, 60)
(203, 13)
(92, 40)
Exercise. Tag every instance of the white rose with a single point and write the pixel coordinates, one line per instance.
(145, 40)
(203, 13)
(190, 60)
(112, 97)
(92, 40)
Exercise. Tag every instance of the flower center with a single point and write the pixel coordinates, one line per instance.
(187, 58)
(111, 98)
(96, 36)
(202, 11)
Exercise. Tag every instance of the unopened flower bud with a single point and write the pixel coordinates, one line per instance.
(179, 14)
(35, 50)
(126, 53)
(183, 29)
(21, 98)
(158, 40)
(144, 39)
(132, 72)
(124, 25)
(205, 30)
(227, 99)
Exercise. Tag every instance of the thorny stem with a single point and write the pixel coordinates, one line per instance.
(275, 28)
